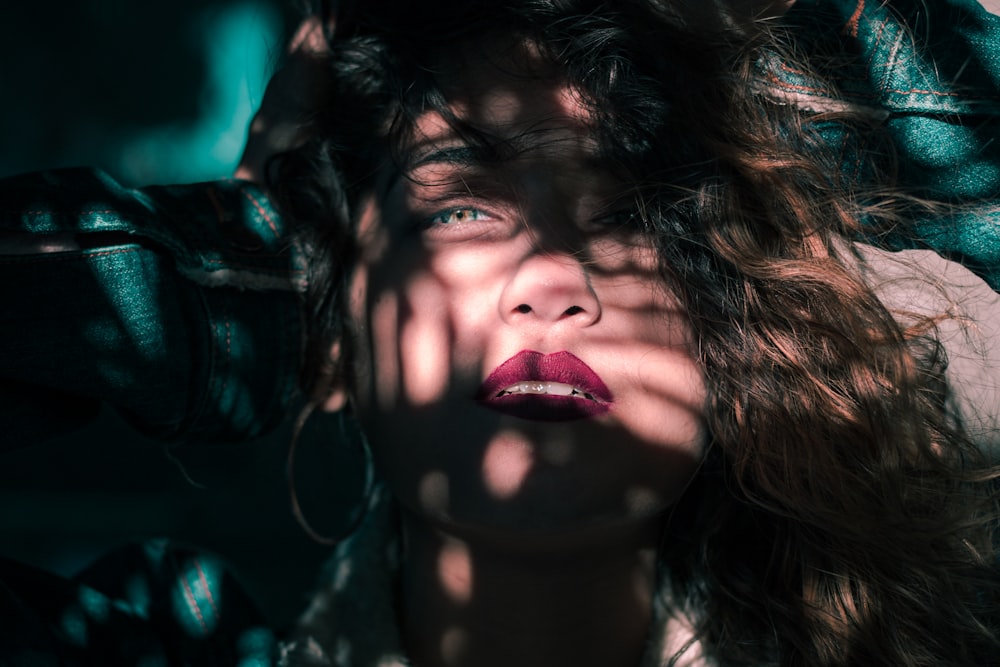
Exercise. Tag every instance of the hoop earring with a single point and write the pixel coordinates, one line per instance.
(361, 511)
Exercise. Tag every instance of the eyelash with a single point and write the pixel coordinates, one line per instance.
(466, 214)
(624, 218)
(473, 214)
(456, 217)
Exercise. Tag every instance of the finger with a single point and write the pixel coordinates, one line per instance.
(309, 38)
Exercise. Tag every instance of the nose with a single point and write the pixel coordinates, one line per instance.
(550, 288)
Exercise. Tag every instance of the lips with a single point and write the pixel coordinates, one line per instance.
(545, 387)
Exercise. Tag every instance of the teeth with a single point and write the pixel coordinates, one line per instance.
(549, 388)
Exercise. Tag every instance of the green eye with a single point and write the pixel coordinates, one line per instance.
(628, 217)
(455, 216)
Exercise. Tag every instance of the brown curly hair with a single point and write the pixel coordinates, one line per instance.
(841, 516)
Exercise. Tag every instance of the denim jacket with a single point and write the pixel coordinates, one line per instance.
(935, 86)
(177, 305)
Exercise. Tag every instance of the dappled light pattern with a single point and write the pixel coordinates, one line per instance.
(467, 263)
(140, 605)
(455, 572)
(354, 614)
(351, 621)
(529, 389)
(506, 465)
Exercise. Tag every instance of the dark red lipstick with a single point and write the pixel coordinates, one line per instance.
(545, 387)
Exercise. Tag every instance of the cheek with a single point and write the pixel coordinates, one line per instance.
(415, 324)
(670, 395)
(424, 326)
(667, 413)
(424, 340)
(662, 387)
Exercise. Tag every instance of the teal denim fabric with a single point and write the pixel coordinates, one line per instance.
(936, 87)
(180, 310)
(155, 603)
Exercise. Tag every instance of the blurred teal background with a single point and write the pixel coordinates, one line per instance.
(153, 93)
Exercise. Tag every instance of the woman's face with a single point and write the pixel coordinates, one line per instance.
(519, 365)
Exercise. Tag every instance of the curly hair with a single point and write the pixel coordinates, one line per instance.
(841, 516)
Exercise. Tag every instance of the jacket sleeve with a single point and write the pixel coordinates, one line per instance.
(176, 305)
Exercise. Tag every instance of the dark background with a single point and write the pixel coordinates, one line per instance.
(154, 93)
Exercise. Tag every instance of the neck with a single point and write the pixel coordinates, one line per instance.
(472, 601)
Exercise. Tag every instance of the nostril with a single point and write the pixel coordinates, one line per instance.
(523, 308)
(573, 310)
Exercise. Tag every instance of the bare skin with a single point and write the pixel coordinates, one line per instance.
(468, 602)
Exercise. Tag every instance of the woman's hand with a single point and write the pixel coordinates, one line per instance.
(293, 93)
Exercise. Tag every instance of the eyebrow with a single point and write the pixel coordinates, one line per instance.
(461, 155)
(470, 157)
(458, 155)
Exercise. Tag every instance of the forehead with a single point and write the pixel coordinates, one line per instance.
(511, 95)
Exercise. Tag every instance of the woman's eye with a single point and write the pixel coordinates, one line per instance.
(455, 216)
(624, 219)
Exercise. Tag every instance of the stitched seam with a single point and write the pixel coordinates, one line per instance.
(262, 211)
(876, 43)
(780, 83)
(44, 258)
(892, 61)
(774, 78)
(851, 27)
(204, 582)
(192, 603)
